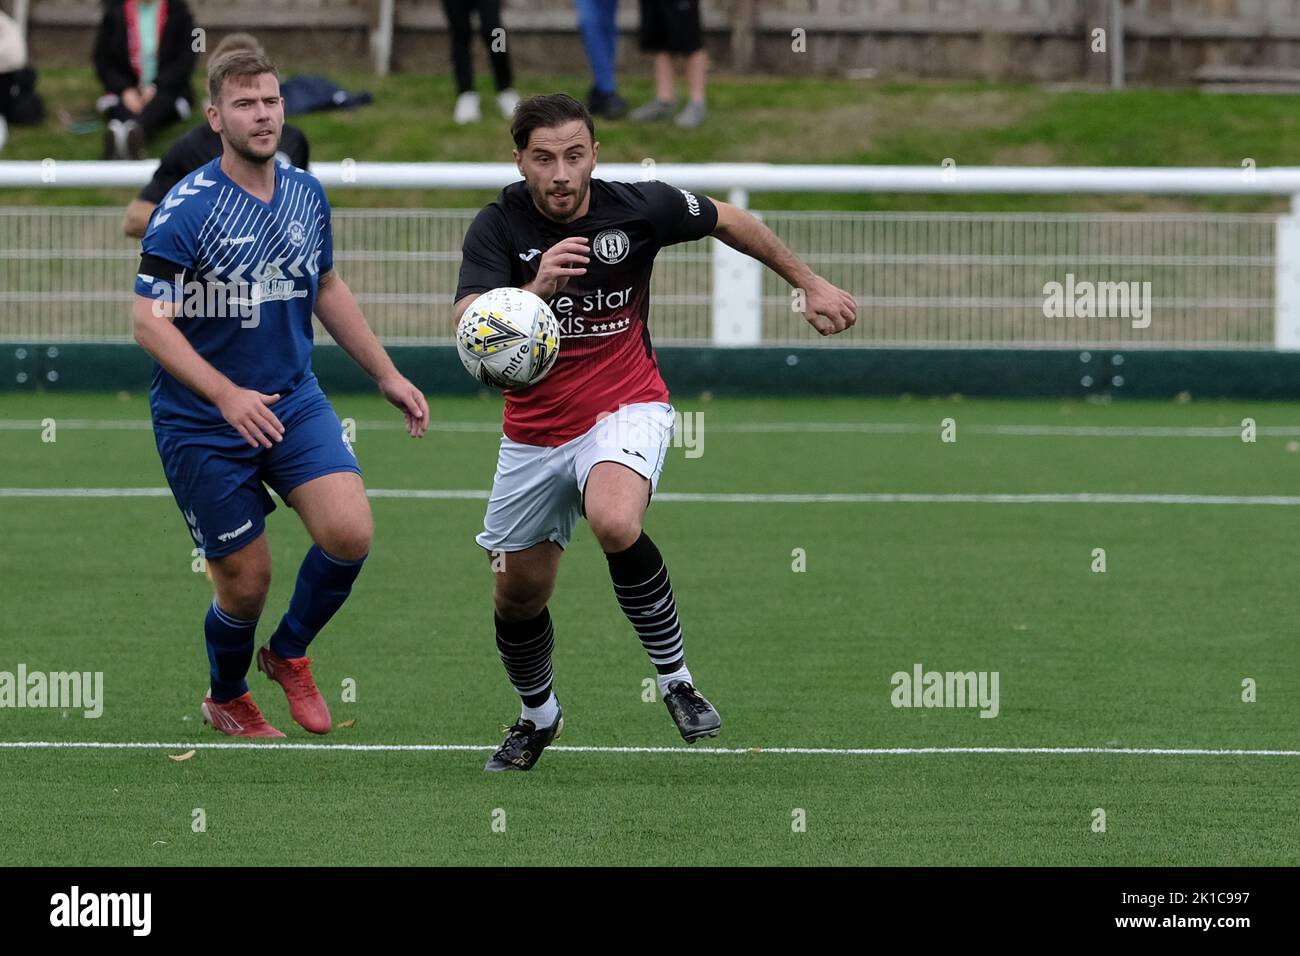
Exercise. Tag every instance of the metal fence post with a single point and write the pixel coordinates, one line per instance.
(381, 40)
(1117, 44)
(737, 290)
(1286, 280)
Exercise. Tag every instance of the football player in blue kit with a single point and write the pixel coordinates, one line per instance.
(237, 257)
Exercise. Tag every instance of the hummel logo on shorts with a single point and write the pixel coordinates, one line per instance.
(230, 535)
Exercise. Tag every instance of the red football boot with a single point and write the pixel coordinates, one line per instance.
(306, 705)
(237, 718)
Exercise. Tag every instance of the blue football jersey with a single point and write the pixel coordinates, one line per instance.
(243, 275)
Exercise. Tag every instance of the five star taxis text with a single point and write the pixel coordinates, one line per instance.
(585, 323)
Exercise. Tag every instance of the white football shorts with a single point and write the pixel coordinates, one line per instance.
(537, 492)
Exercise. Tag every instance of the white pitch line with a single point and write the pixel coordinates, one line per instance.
(84, 492)
(783, 751)
(865, 428)
(94, 424)
(1035, 431)
(144, 425)
(866, 498)
(985, 499)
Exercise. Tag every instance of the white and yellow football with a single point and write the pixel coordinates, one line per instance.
(508, 338)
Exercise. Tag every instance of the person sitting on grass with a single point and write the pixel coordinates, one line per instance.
(202, 144)
(144, 55)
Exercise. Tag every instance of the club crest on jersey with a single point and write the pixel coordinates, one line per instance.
(297, 232)
(610, 246)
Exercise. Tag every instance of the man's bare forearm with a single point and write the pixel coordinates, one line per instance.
(157, 335)
(337, 309)
(136, 221)
(746, 234)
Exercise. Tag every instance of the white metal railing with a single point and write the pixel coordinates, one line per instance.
(923, 279)
(947, 177)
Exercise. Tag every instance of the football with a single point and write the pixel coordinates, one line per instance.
(508, 338)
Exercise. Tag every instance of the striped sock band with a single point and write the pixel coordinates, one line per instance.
(645, 594)
(525, 648)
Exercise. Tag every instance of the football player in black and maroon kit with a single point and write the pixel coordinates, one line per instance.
(589, 439)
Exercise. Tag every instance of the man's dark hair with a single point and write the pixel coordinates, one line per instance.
(545, 111)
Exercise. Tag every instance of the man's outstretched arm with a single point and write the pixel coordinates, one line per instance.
(338, 311)
(827, 308)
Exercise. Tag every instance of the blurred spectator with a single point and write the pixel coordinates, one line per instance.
(13, 55)
(462, 60)
(144, 56)
(200, 145)
(668, 28)
(19, 102)
(598, 21)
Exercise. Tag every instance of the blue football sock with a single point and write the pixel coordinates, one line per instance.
(230, 651)
(324, 583)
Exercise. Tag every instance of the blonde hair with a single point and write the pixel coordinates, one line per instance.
(241, 64)
(232, 42)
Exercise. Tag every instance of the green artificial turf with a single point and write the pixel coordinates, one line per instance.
(1150, 654)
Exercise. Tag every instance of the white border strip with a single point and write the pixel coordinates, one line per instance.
(797, 751)
(474, 494)
(863, 428)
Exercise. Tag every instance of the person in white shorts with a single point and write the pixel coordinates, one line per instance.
(537, 492)
(589, 440)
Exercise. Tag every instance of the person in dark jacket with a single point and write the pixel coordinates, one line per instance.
(200, 145)
(13, 58)
(144, 56)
